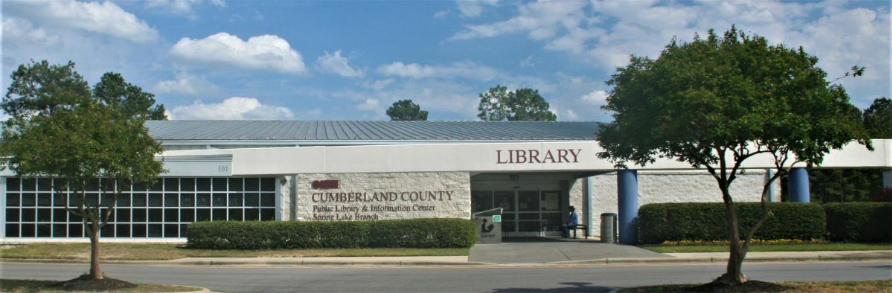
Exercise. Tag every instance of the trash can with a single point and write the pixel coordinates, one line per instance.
(608, 227)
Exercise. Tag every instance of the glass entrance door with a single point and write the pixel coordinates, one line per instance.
(525, 212)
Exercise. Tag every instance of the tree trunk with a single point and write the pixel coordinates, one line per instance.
(95, 271)
(734, 274)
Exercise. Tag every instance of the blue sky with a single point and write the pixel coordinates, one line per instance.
(350, 60)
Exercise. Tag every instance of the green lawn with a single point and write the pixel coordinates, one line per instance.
(771, 247)
(26, 286)
(756, 286)
(122, 251)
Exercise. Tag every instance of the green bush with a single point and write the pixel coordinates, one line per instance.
(412, 233)
(859, 221)
(707, 221)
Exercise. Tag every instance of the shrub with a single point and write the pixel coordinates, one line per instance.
(412, 233)
(859, 221)
(707, 221)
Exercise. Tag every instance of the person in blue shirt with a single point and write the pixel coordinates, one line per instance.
(572, 222)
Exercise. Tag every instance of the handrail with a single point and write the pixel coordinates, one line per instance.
(489, 210)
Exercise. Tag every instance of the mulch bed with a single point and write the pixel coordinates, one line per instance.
(86, 283)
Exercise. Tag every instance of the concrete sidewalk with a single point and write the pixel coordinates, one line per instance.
(672, 258)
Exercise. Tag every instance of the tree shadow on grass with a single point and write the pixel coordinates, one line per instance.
(570, 287)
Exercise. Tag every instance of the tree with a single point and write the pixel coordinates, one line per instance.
(717, 102)
(126, 98)
(102, 143)
(406, 110)
(525, 104)
(878, 118)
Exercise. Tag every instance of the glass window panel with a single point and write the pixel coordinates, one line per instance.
(123, 215)
(236, 184)
(12, 215)
(204, 184)
(44, 199)
(58, 200)
(482, 200)
(28, 215)
(267, 214)
(268, 184)
(505, 200)
(553, 220)
(252, 214)
(268, 200)
(202, 215)
(107, 231)
(183, 230)
(12, 230)
(155, 230)
(139, 186)
(187, 215)
(92, 185)
(528, 201)
(235, 215)
(219, 200)
(155, 215)
(75, 230)
(12, 184)
(139, 200)
(187, 200)
(110, 216)
(171, 215)
(508, 226)
(73, 200)
(28, 230)
(139, 215)
(122, 230)
(235, 199)
(29, 199)
(219, 215)
(529, 216)
(29, 184)
(529, 226)
(187, 184)
(155, 200)
(551, 201)
(219, 184)
(44, 184)
(60, 215)
(171, 200)
(138, 230)
(123, 201)
(157, 185)
(107, 199)
(252, 200)
(252, 184)
(44, 230)
(171, 184)
(74, 218)
(170, 230)
(13, 200)
(92, 199)
(204, 199)
(60, 230)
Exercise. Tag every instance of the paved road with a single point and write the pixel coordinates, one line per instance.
(547, 252)
(447, 279)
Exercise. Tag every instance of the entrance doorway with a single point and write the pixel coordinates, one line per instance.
(525, 212)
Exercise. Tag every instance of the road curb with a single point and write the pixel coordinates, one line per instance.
(225, 262)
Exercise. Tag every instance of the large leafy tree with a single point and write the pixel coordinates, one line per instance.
(715, 103)
(406, 110)
(127, 98)
(878, 118)
(58, 130)
(525, 104)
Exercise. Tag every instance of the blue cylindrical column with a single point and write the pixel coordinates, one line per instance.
(589, 209)
(627, 200)
(798, 185)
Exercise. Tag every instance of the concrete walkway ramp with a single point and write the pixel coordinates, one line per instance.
(548, 250)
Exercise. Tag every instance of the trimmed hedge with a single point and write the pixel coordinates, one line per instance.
(707, 221)
(412, 233)
(859, 221)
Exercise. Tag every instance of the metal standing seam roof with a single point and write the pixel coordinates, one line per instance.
(294, 130)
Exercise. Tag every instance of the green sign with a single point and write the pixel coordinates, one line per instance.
(496, 218)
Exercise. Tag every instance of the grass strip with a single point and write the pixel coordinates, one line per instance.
(155, 251)
(27, 286)
(883, 286)
(772, 247)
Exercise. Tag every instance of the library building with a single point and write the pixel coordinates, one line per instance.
(377, 170)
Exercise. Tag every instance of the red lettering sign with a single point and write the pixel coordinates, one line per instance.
(326, 184)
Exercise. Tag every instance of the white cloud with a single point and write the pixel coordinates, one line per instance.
(527, 62)
(335, 63)
(17, 31)
(595, 98)
(234, 108)
(473, 8)
(370, 104)
(541, 20)
(469, 70)
(570, 115)
(378, 84)
(182, 7)
(185, 83)
(105, 18)
(266, 52)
